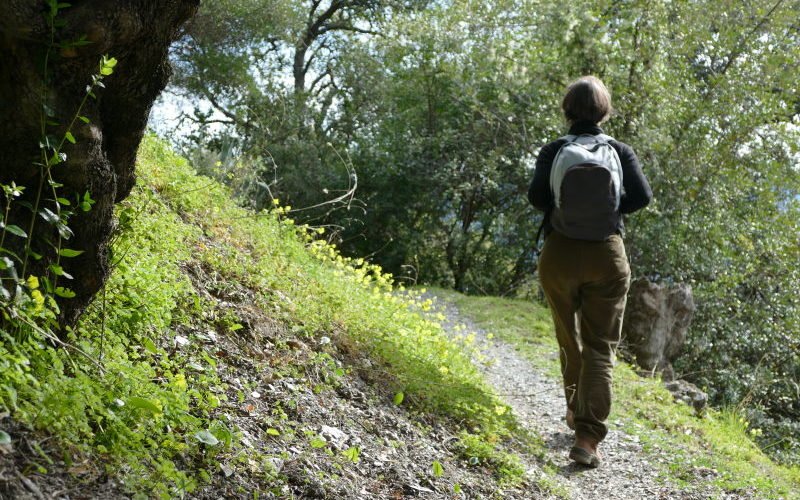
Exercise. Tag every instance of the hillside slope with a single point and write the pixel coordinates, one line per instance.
(235, 354)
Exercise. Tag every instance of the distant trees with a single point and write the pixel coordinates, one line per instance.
(439, 110)
(271, 72)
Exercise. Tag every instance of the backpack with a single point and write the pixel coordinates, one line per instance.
(586, 180)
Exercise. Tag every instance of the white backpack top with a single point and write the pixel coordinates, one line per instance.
(586, 179)
(586, 149)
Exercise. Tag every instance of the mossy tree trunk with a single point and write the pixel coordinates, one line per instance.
(138, 34)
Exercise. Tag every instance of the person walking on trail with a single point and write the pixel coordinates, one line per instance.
(584, 182)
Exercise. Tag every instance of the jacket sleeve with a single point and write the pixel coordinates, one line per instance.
(637, 194)
(539, 193)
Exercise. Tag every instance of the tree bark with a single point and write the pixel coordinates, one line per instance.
(138, 34)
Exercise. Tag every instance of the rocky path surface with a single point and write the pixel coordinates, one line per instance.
(537, 401)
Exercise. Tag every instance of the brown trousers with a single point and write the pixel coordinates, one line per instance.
(586, 284)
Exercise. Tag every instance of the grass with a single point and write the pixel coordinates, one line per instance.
(152, 412)
(127, 401)
(310, 286)
(718, 440)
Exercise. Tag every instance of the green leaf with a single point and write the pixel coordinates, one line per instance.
(68, 136)
(149, 346)
(6, 263)
(206, 437)
(67, 252)
(456, 488)
(107, 65)
(352, 454)
(144, 404)
(12, 395)
(273, 432)
(87, 202)
(59, 271)
(84, 119)
(438, 470)
(64, 292)
(48, 215)
(16, 230)
(398, 398)
(5, 439)
(318, 442)
(64, 231)
(222, 433)
(57, 158)
(64, 201)
(47, 285)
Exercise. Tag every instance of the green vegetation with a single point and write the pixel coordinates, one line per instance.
(410, 130)
(309, 285)
(719, 439)
(138, 388)
(121, 394)
(403, 134)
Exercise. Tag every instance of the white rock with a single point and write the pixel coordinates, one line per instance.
(227, 470)
(334, 435)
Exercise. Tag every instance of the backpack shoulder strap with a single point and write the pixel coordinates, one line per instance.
(618, 165)
(605, 138)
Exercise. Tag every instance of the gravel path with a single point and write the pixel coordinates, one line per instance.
(538, 402)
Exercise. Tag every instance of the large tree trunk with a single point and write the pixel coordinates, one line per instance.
(138, 34)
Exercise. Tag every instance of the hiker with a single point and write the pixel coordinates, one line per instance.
(584, 182)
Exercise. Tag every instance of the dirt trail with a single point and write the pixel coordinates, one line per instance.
(537, 400)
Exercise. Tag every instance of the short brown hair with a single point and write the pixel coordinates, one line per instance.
(587, 99)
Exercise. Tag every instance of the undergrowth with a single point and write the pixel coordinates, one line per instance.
(720, 441)
(309, 285)
(128, 395)
(127, 399)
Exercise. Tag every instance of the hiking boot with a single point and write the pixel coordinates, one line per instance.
(585, 452)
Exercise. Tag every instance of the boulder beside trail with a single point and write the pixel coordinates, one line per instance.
(688, 393)
(657, 318)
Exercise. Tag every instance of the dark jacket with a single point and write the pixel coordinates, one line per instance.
(636, 193)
